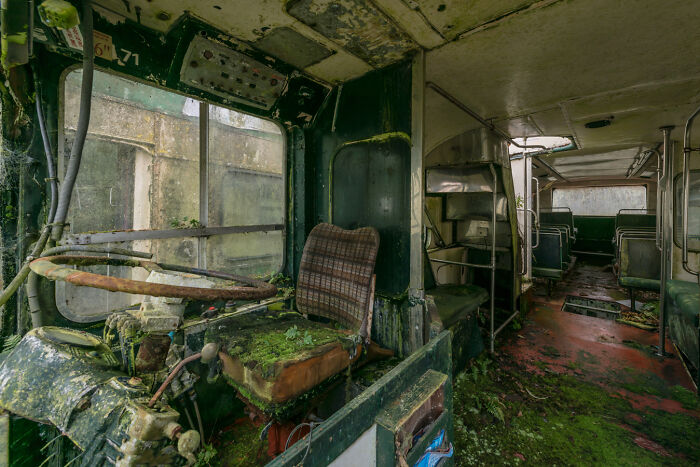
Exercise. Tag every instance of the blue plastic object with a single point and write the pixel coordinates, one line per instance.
(434, 453)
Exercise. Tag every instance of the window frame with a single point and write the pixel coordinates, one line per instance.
(201, 234)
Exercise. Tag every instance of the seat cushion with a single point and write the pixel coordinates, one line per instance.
(676, 288)
(640, 283)
(548, 273)
(455, 302)
(274, 357)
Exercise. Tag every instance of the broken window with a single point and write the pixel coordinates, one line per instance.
(146, 175)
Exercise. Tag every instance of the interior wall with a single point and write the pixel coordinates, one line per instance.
(372, 114)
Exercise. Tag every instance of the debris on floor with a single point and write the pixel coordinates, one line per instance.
(645, 318)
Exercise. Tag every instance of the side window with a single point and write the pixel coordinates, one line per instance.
(146, 177)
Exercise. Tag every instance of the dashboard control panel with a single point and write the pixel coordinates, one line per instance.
(213, 67)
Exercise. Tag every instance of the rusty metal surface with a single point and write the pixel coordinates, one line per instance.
(335, 274)
(152, 353)
(57, 268)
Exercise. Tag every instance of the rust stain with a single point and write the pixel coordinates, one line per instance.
(56, 268)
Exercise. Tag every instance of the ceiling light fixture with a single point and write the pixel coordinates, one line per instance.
(599, 123)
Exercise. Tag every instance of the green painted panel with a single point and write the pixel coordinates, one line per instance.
(594, 234)
(371, 187)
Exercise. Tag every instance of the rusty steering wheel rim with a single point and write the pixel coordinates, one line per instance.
(57, 268)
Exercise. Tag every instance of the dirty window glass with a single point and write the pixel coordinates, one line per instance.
(599, 200)
(140, 170)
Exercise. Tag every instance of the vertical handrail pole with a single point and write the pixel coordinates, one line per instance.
(686, 188)
(203, 182)
(667, 234)
(660, 167)
(493, 255)
(537, 192)
(537, 228)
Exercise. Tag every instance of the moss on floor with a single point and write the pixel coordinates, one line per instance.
(239, 445)
(508, 415)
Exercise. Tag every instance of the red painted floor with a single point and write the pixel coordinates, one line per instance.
(594, 349)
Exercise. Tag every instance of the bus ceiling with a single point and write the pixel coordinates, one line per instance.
(532, 68)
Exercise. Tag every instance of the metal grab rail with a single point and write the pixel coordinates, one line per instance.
(686, 188)
(537, 191)
(537, 224)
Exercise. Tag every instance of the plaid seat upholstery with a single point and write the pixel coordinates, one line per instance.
(335, 276)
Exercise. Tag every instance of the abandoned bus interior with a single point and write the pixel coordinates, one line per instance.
(349, 232)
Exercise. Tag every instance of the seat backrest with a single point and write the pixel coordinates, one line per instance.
(335, 275)
(635, 220)
(561, 216)
(549, 254)
(639, 257)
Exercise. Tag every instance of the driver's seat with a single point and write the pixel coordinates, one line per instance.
(272, 358)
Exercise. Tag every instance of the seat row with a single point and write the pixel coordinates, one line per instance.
(552, 245)
(637, 256)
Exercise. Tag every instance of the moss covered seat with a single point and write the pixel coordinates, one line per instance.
(274, 358)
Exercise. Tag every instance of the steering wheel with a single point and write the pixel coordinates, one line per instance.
(57, 268)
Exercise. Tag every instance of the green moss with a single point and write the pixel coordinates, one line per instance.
(541, 365)
(573, 365)
(240, 445)
(260, 340)
(687, 398)
(677, 432)
(557, 419)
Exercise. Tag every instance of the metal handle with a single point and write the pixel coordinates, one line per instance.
(686, 188)
(537, 192)
(537, 224)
